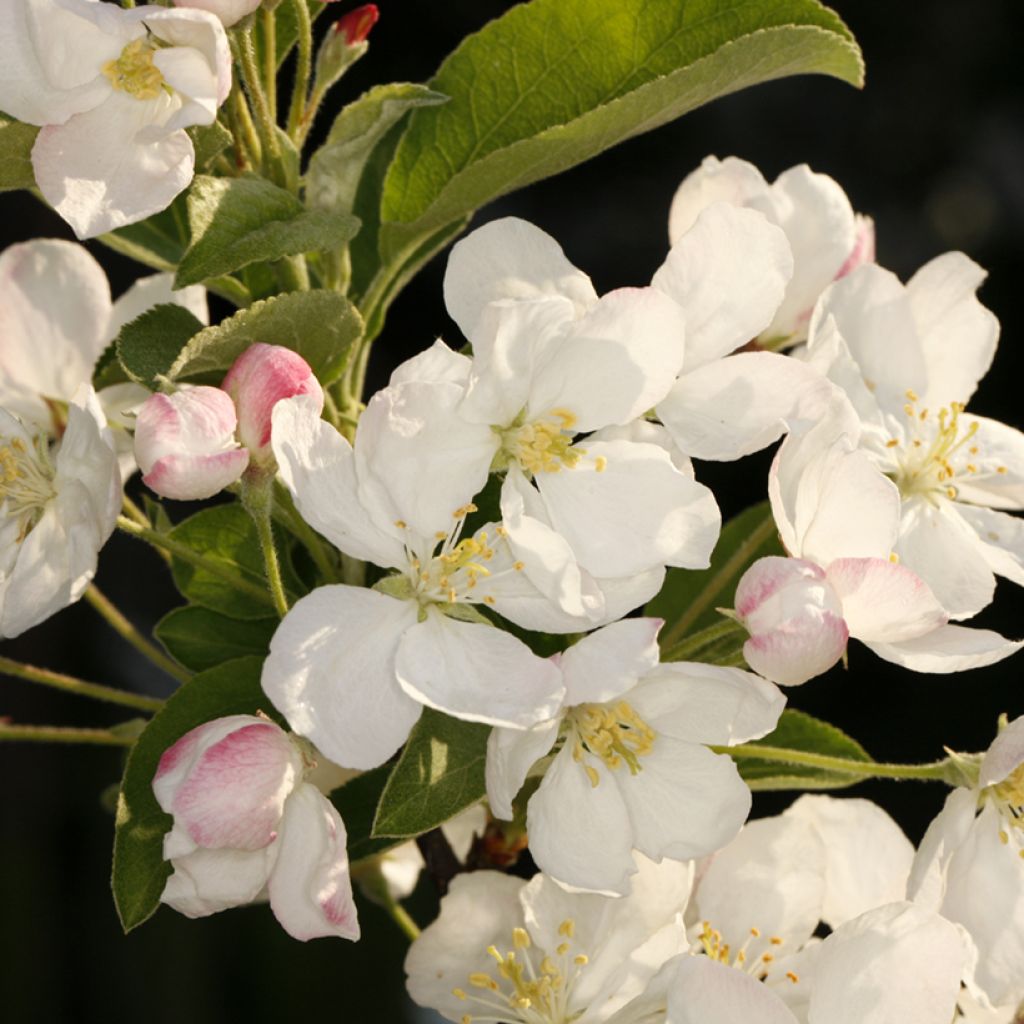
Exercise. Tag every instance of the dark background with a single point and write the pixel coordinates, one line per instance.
(933, 149)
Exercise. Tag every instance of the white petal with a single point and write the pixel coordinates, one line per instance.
(155, 290)
(580, 834)
(310, 888)
(958, 335)
(730, 180)
(199, 30)
(947, 832)
(317, 465)
(883, 601)
(1002, 539)
(707, 704)
(729, 273)
(949, 649)
(615, 363)
(476, 672)
(733, 407)
(436, 363)
(208, 881)
(999, 482)
(511, 753)
(898, 964)
(625, 509)
(827, 352)
(331, 673)
(509, 259)
(610, 661)
(1004, 755)
(867, 856)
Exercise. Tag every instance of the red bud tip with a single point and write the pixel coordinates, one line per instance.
(355, 26)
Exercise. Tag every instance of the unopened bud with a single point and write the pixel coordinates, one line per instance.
(344, 44)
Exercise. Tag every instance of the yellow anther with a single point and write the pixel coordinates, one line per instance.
(767, 958)
(600, 463)
(466, 1019)
(793, 976)
(567, 928)
(401, 524)
(465, 510)
(488, 600)
(547, 966)
(616, 734)
(440, 535)
(775, 940)
(911, 395)
(892, 443)
(459, 993)
(1001, 470)
(519, 566)
(755, 932)
(493, 951)
(592, 774)
(562, 948)
(480, 980)
(134, 72)
(1004, 836)
(581, 959)
(520, 938)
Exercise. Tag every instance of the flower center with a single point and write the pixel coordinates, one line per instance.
(543, 445)
(520, 991)
(26, 481)
(935, 449)
(134, 71)
(1009, 798)
(613, 732)
(711, 943)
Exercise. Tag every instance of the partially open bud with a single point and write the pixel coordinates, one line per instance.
(344, 44)
(185, 443)
(229, 11)
(246, 823)
(261, 377)
(794, 617)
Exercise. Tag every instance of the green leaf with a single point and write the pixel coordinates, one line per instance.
(140, 871)
(320, 325)
(336, 169)
(148, 346)
(688, 598)
(554, 82)
(200, 639)
(238, 221)
(224, 534)
(16, 142)
(440, 772)
(210, 140)
(157, 242)
(799, 731)
(356, 802)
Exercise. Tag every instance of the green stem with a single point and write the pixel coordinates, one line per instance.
(265, 124)
(60, 734)
(270, 60)
(937, 770)
(692, 645)
(248, 150)
(186, 554)
(718, 582)
(401, 917)
(303, 69)
(265, 532)
(70, 684)
(292, 273)
(291, 518)
(117, 621)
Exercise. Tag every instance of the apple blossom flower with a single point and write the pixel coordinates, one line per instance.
(197, 441)
(58, 505)
(970, 867)
(229, 12)
(352, 668)
(909, 358)
(553, 361)
(839, 518)
(503, 949)
(632, 772)
(247, 824)
(827, 238)
(56, 318)
(114, 91)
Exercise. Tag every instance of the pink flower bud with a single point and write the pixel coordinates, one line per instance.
(794, 618)
(185, 443)
(229, 11)
(355, 26)
(245, 824)
(260, 377)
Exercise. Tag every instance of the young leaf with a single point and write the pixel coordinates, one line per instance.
(16, 142)
(799, 731)
(357, 802)
(140, 872)
(238, 221)
(148, 346)
(336, 169)
(199, 638)
(554, 82)
(157, 242)
(225, 535)
(440, 772)
(320, 325)
(210, 140)
(688, 598)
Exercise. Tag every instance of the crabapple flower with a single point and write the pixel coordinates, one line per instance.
(632, 772)
(228, 11)
(827, 238)
(970, 867)
(909, 358)
(248, 826)
(351, 668)
(839, 518)
(56, 318)
(185, 443)
(58, 505)
(114, 91)
(197, 441)
(502, 949)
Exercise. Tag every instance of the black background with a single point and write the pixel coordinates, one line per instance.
(933, 149)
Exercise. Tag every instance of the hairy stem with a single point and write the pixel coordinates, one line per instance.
(937, 770)
(303, 70)
(70, 684)
(61, 734)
